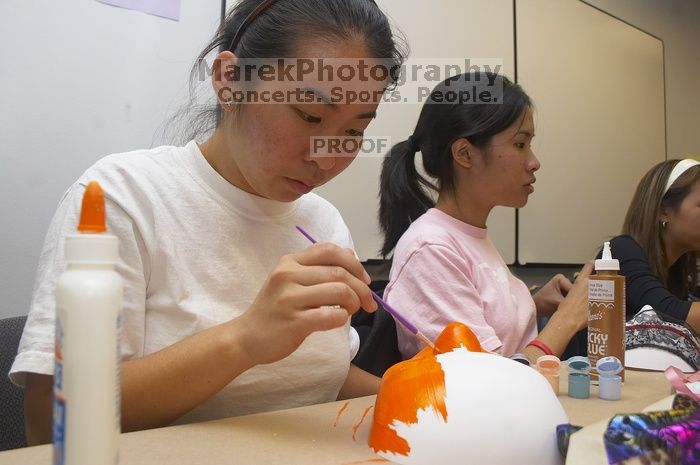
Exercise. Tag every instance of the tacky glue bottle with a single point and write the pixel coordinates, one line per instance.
(86, 407)
(606, 312)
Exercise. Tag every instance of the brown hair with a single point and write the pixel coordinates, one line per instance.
(643, 223)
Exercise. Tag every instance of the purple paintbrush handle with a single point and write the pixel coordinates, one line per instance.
(377, 299)
(394, 313)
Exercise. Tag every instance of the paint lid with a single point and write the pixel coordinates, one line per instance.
(92, 246)
(548, 364)
(579, 364)
(608, 366)
(606, 262)
(92, 211)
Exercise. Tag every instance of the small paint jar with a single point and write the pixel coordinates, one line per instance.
(579, 377)
(609, 382)
(548, 366)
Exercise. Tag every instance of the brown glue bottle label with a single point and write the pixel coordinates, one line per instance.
(606, 319)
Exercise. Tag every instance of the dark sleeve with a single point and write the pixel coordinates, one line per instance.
(643, 286)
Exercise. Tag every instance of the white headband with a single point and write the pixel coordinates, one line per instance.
(680, 168)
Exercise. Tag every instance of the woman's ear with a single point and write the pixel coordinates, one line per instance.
(462, 152)
(223, 78)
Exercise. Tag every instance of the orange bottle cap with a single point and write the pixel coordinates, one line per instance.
(92, 212)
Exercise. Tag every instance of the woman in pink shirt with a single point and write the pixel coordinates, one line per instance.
(445, 268)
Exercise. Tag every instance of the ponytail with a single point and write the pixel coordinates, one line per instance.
(402, 193)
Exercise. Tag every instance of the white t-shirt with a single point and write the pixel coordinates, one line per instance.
(445, 270)
(193, 253)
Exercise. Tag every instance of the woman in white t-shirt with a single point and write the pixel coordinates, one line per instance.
(227, 310)
(476, 151)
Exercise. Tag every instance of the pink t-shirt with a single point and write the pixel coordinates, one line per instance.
(445, 270)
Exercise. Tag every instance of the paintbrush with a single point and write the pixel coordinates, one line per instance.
(407, 324)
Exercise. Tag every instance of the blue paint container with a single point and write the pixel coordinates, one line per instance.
(609, 382)
(579, 377)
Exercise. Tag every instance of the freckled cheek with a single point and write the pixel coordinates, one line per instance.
(270, 139)
(277, 150)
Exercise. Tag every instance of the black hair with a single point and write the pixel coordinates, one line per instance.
(449, 114)
(276, 29)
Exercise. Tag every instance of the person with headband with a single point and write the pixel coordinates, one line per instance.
(445, 268)
(227, 310)
(660, 240)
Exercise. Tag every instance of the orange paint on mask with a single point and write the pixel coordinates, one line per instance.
(457, 335)
(413, 385)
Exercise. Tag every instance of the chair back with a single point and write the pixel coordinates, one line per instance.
(11, 397)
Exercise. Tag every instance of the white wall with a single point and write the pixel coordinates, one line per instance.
(677, 23)
(80, 79)
(598, 88)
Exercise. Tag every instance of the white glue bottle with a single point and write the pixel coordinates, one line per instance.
(86, 406)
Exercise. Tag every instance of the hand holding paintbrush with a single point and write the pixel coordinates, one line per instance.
(400, 318)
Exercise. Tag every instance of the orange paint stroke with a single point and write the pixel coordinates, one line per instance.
(414, 385)
(377, 460)
(342, 409)
(357, 426)
(457, 335)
